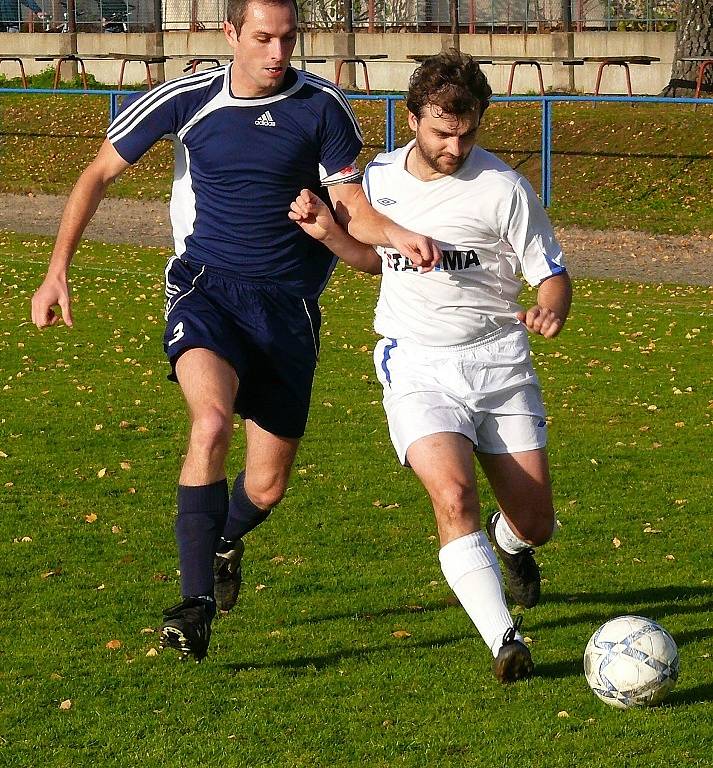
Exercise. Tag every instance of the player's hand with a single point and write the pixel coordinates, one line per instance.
(312, 215)
(54, 292)
(541, 321)
(421, 250)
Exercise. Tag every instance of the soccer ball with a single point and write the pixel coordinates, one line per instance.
(631, 662)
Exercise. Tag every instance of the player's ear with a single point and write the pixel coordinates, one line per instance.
(231, 34)
(412, 121)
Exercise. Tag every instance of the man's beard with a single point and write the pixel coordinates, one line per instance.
(442, 164)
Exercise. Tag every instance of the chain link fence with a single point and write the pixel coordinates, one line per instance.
(493, 15)
(372, 15)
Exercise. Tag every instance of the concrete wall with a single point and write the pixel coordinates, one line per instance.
(386, 75)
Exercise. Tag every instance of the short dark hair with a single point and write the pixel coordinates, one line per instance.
(236, 9)
(452, 82)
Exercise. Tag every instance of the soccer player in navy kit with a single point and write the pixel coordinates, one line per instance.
(242, 331)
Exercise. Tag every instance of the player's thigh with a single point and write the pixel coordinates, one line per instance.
(268, 462)
(443, 462)
(521, 484)
(208, 382)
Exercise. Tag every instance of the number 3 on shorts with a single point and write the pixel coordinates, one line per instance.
(178, 333)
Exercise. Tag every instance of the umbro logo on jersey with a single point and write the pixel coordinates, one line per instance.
(265, 119)
(386, 201)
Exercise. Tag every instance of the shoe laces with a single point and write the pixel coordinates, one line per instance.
(521, 561)
(509, 636)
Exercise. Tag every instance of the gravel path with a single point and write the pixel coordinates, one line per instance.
(619, 255)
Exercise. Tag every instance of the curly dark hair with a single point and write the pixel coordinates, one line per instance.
(452, 82)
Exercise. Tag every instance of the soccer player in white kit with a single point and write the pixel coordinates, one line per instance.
(454, 360)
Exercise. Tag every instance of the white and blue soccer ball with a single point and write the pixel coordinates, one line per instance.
(631, 661)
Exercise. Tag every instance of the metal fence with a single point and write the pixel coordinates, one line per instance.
(390, 101)
(494, 15)
(367, 15)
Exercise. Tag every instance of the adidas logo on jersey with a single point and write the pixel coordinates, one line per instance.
(265, 119)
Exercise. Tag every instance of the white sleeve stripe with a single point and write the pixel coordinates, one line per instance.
(339, 97)
(127, 127)
(144, 107)
(137, 111)
(168, 86)
(332, 182)
(334, 90)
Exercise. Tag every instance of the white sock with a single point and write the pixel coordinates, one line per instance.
(472, 572)
(506, 538)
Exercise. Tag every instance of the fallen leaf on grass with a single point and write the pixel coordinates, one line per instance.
(649, 529)
(563, 713)
(55, 572)
(616, 542)
(125, 465)
(101, 472)
(152, 652)
(400, 634)
(91, 517)
(113, 645)
(66, 704)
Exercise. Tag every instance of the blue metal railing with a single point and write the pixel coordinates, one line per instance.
(391, 100)
(547, 104)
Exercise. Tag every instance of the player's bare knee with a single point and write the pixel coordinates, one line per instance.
(539, 530)
(266, 495)
(211, 432)
(454, 502)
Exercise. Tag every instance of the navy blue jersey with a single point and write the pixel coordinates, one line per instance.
(239, 163)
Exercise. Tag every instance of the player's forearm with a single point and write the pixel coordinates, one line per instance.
(555, 294)
(365, 224)
(81, 206)
(351, 251)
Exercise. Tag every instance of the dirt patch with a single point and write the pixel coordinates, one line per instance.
(616, 255)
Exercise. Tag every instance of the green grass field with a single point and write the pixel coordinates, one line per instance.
(307, 670)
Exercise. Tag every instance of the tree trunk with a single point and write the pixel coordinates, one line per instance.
(694, 37)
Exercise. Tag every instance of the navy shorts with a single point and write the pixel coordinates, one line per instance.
(269, 336)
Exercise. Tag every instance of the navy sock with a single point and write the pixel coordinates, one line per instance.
(243, 515)
(202, 510)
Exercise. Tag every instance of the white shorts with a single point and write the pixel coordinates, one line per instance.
(486, 390)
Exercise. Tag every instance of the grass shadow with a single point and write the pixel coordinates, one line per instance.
(697, 695)
(656, 603)
(322, 661)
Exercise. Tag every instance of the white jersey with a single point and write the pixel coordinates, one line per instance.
(491, 227)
